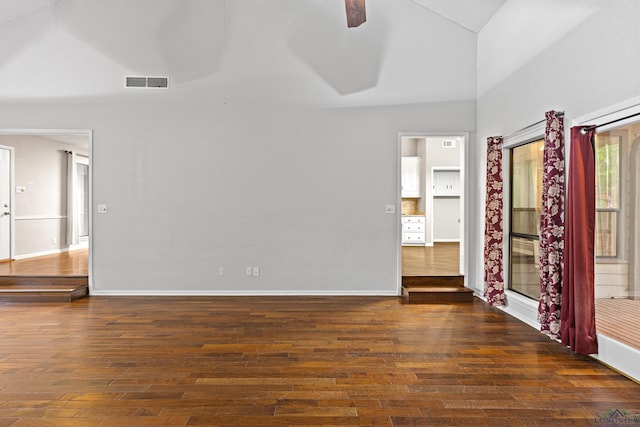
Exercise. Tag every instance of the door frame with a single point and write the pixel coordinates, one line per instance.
(464, 208)
(634, 219)
(88, 133)
(12, 222)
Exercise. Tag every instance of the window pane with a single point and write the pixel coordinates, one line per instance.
(606, 234)
(526, 185)
(607, 171)
(525, 267)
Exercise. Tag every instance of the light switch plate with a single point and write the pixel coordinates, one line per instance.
(390, 209)
(102, 209)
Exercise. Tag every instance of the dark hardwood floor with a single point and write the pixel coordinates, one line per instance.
(291, 361)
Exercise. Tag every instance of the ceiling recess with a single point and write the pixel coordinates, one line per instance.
(147, 82)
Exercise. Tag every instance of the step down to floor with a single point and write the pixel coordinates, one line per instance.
(437, 295)
(452, 281)
(43, 288)
(435, 290)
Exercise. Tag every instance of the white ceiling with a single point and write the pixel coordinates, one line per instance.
(12, 9)
(305, 54)
(470, 14)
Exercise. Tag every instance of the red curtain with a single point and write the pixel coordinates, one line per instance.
(578, 315)
(493, 232)
(552, 226)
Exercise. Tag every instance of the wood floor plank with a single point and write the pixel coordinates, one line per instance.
(291, 361)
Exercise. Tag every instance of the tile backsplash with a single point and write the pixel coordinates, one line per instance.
(410, 207)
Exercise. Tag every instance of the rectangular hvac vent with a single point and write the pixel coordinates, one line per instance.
(448, 143)
(136, 82)
(155, 82)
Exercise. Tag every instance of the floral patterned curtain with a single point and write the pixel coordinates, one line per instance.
(552, 226)
(494, 231)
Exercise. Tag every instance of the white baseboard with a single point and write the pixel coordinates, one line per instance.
(236, 293)
(618, 356)
(35, 254)
(81, 245)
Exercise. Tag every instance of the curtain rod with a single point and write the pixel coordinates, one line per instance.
(586, 129)
(558, 114)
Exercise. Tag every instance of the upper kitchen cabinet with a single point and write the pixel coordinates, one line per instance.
(446, 182)
(411, 177)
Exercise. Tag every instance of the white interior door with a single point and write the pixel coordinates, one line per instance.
(5, 204)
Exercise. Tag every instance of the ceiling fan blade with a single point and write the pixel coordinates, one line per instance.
(356, 14)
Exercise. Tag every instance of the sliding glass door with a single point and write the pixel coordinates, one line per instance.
(526, 200)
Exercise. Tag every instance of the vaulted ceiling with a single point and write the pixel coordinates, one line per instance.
(408, 51)
(471, 14)
(12, 9)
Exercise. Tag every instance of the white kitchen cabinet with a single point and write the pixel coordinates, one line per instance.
(410, 177)
(413, 230)
(446, 182)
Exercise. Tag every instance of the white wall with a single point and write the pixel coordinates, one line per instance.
(583, 59)
(265, 158)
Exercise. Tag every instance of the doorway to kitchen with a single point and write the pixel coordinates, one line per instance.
(432, 185)
(49, 205)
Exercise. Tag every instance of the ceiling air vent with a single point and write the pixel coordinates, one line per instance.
(155, 82)
(448, 143)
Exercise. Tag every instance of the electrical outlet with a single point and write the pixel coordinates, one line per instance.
(256, 271)
(249, 271)
(220, 271)
(54, 241)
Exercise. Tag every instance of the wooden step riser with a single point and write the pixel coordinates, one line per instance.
(43, 288)
(438, 297)
(43, 296)
(408, 281)
(69, 281)
(23, 298)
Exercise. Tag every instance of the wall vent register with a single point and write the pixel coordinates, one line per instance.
(147, 82)
(448, 143)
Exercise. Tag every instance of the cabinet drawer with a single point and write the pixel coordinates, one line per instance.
(413, 220)
(413, 238)
(413, 227)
